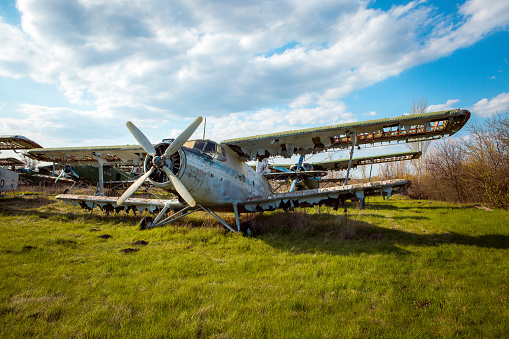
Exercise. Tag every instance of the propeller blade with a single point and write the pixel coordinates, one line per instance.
(137, 184)
(141, 138)
(180, 188)
(182, 138)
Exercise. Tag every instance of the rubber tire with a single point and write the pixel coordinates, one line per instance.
(145, 223)
(245, 228)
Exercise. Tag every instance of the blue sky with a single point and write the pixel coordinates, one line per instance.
(74, 72)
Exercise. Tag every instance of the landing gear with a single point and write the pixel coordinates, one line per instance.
(245, 228)
(146, 222)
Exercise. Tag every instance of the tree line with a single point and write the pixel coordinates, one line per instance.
(471, 169)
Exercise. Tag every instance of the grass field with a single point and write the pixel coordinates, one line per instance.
(399, 268)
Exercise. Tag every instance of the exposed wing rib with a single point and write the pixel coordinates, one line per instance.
(329, 195)
(342, 164)
(126, 155)
(375, 159)
(15, 142)
(409, 128)
(110, 203)
(294, 175)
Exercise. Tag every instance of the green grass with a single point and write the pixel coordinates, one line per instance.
(399, 268)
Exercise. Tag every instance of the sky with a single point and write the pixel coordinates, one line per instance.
(73, 72)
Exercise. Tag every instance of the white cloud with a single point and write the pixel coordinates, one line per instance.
(167, 59)
(442, 107)
(275, 120)
(485, 107)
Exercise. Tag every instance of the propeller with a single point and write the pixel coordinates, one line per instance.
(137, 184)
(142, 139)
(182, 138)
(159, 162)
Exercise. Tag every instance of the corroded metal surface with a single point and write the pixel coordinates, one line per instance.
(126, 154)
(16, 142)
(8, 180)
(342, 164)
(109, 204)
(10, 162)
(326, 196)
(409, 128)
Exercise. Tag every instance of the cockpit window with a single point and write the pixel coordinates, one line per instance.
(208, 147)
(199, 144)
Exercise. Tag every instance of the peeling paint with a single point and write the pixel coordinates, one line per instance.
(415, 127)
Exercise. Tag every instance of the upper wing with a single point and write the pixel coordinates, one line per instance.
(409, 128)
(127, 155)
(15, 142)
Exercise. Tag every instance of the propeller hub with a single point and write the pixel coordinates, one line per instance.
(158, 161)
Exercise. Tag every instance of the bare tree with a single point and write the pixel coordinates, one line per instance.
(419, 108)
(488, 165)
(446, 165)
(473, 169)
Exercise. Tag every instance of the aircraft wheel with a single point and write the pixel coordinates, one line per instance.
(146, 222)
(245, 228)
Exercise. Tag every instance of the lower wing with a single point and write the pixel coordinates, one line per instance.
(331, 196)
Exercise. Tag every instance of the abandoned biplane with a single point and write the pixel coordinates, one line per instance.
(82, 168)
(9, 179)
(213, 177)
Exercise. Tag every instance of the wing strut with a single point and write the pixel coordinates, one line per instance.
(186, 211)
(353, 136)
(100, 184)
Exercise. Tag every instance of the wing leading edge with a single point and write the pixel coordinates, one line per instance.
(132, 155)
(17, 142)
(409, 128)
(323, 196)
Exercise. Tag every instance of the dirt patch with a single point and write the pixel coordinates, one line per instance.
(105, 236)
(23, 202)
(129, 250)
(140, 242)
